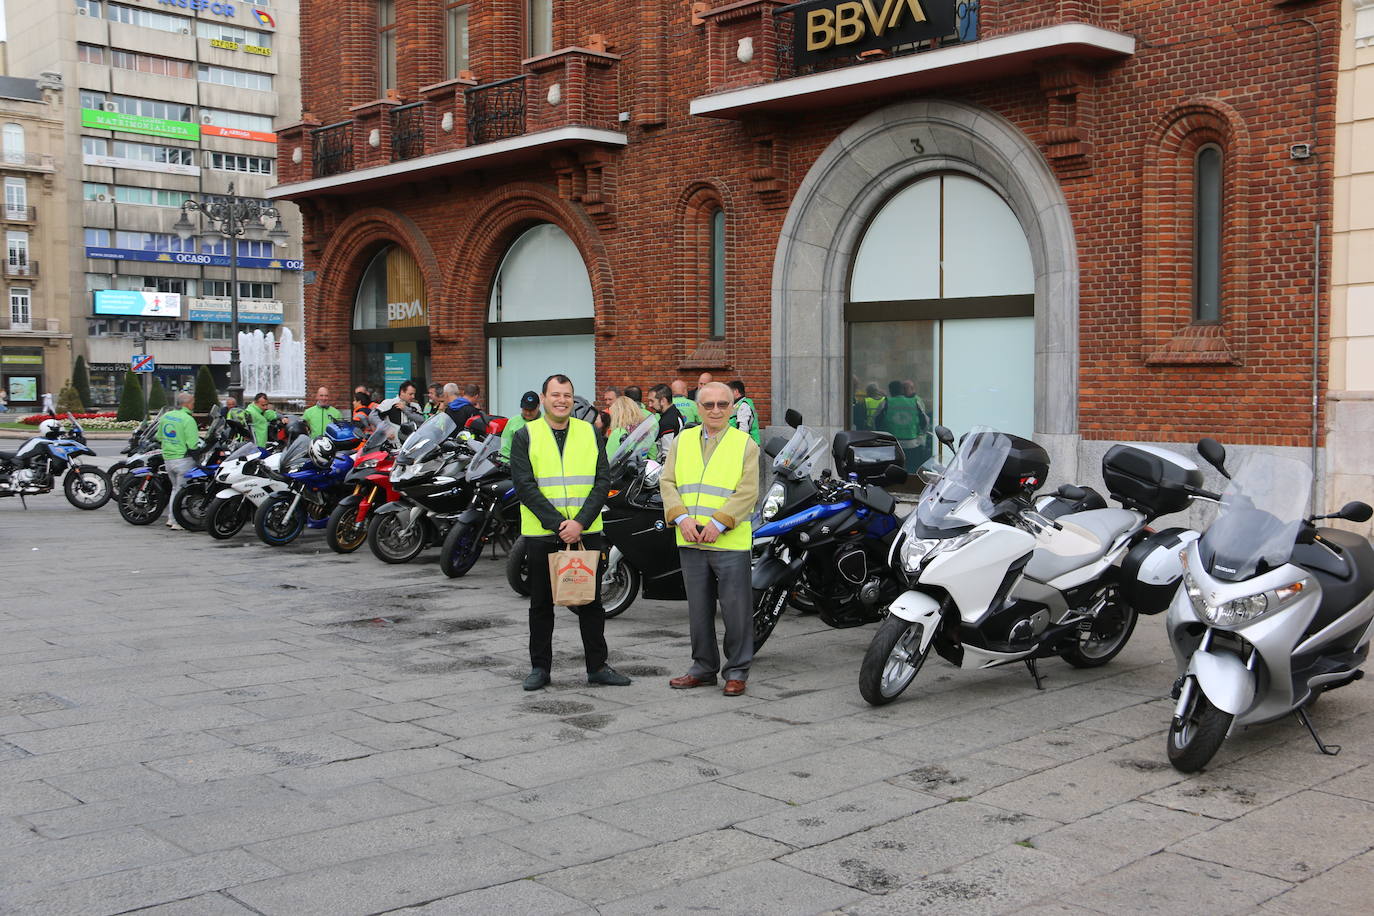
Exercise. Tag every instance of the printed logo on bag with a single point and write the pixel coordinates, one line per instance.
(575, 568)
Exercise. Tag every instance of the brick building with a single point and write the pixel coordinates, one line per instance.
(1079, 219)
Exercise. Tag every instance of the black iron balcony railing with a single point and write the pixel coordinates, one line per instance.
(408, 131)
(496, 110)
(965, 30)
(333, 146)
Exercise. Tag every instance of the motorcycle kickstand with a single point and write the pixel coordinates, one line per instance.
(1034, 670)
(23, 502)
(1330, 750)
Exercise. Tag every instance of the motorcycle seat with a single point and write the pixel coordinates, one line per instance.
(1342, 589)
(8, 456)
(1087, 536)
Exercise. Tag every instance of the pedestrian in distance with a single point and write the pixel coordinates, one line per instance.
(743, 415)
(319, 415)
(635, 394)
(460, 409)
(670, 419)
(402, 411)
(625, 416)
(179, 437)
(259, 414)
(561, 477)
(362, 406)
(710, 485)
(436, 400)
(702, 380)
(529, 412)
(684, 405)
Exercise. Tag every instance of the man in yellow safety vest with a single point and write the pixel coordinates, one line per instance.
(561, 476)
(709, 487)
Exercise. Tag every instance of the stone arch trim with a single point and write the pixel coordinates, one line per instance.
(846, 185)
(696, 205)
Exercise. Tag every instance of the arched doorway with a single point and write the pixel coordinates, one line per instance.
(390, 333)
(940, 315)
(541, 318)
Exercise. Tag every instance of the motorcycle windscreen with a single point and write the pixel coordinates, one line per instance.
(385, 431)
(295, 454)
(962, 495)
(800, 453)
(484, 461)
(1262, 510)
(637, 441)
(426, 439)
(247, 450)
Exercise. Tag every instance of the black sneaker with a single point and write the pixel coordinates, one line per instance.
(537, 678)
(607, 676)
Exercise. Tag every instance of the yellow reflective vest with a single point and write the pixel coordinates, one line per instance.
(705, 489)
(565, 478)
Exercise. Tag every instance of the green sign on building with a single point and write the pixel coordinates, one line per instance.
(139, 124)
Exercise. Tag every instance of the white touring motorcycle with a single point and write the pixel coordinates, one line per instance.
(1273, 610)
(991, 581)
(245, 480)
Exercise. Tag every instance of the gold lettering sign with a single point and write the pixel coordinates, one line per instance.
(258, 49)
(405, 291)
(854, 21)
(226, 45)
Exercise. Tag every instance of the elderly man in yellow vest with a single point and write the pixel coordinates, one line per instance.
(561, 477)
(710, 485)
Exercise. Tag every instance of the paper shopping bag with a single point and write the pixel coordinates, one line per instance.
(572, 575)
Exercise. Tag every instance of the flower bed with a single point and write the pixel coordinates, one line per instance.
(37, 418)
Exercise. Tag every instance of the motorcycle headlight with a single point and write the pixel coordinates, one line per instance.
(918, 551)
(1245, 609)
(772, 503)
(364, 465)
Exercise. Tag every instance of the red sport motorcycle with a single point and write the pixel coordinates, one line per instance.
(371, 480)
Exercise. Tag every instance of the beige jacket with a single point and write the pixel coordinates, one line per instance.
(739, 506)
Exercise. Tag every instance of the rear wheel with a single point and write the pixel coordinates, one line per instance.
(892, 661)
(392, 541)
(190, 505)
(142, 499)
(87, 488)
(769, 603)
(1196, 736)
(619, 588)
(1102, 638)
(461, 548)
(226, 517)
(344, 532)
(518, 568)
(276, 522)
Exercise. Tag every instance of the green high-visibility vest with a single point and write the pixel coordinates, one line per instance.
(871, 408)
(904, 417)
(688, 408)
(565, 478)
(753, 429)
(705, 488)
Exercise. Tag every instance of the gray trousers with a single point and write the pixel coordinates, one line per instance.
(176, 472)
(722, 576)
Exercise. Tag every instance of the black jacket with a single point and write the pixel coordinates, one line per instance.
(527, 489)
(670, 422)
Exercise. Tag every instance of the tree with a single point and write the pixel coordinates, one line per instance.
(81, 381)
(207, 395)
(131, 402)
(157, 398)
(68, 400)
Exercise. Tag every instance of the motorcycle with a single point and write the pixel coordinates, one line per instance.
(991, 581)
(314, 471)
(1273, 610)
(142, 439)
(829, 539)
(371, 480)
(493, 516)
(428, 476)
(145, 489)
(36, 466)
(246, 478)
(198, 485)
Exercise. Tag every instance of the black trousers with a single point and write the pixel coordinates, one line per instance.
(591, 618)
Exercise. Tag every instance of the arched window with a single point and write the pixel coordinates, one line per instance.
(386, 46)
(390, 331)
(717, 261)
(13, 140)
(1207, 233)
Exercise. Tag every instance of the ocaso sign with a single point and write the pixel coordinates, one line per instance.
(823, 29)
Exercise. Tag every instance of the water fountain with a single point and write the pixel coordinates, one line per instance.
(271, 365)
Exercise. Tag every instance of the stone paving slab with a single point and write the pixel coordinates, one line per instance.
(298, 732)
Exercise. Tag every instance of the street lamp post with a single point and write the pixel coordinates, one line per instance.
(230, 217)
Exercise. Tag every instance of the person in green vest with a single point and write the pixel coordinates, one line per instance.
(871, 402)
(743, 415)
(179, 436)
(318, 416)
(561, 476)
(259, 415)
(685, 405)
(710, 485)
(234, 413)
(906, 418)
(529, 412)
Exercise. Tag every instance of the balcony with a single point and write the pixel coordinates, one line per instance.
(564, 100)
(21, 268)
(26, 162)
(44, 327)
(21, 214)
(763, 60)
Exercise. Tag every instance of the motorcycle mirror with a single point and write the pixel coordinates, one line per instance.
(1356, 511)
(1069, 491)
(792, 418)
(1212, 451)
(945, 436)
(895, 475)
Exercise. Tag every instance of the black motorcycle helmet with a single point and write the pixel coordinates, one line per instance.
(296, 428)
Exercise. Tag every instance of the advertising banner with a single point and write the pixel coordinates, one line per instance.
(131, 303)
(237, 133)
(115, 162)
(183, 257)
(139, 124)
(23, 388)
(396, 369)
(251, 311)
(824, 29)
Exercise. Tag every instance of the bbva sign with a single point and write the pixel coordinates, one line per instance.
(831, 28)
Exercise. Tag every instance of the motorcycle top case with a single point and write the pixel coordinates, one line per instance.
(1151, 572)
(1152, 479)
(867, 453)
(1026, 467)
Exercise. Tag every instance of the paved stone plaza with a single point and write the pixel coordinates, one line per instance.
(197, 727)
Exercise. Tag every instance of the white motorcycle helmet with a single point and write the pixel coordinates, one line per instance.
(322, 451)
(49, 429)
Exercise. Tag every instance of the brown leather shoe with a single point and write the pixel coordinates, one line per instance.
(734, 689)
(688, 681)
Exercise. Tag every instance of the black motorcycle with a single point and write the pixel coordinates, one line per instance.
(493, 517)
(429, 478)
(144, 489)
(55, 454)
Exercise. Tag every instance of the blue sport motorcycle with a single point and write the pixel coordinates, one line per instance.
(55, 453)
(315, 472)
(827, 539)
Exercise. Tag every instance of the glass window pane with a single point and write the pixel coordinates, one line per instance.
(894, 366)
(542, 277)
(520, 364)
(718, 274)
(899, 257)
(458, 59)
(986, 253)
(992, 392)
(539, 27)
(1207, 236)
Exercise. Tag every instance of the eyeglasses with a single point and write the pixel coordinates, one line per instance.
(715, 405)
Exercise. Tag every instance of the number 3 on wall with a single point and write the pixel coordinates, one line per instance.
(917, 147)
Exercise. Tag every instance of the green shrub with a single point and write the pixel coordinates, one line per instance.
(207, 396)
(81, 381)
(157, 398)
(131, 402)
(69, 401)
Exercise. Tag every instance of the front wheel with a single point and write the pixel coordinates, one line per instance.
(226, 517)
(276, 522)
(1196, 736)
(191, 504)
(1102, 638)
(344, 532)
(392, 541)
(769, 603)
(461, 548)
(892, 661)
(619, 589)
(87, 488)
(142, 498)
(518, 568)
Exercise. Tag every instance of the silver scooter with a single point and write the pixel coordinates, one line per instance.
(1272, 611)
